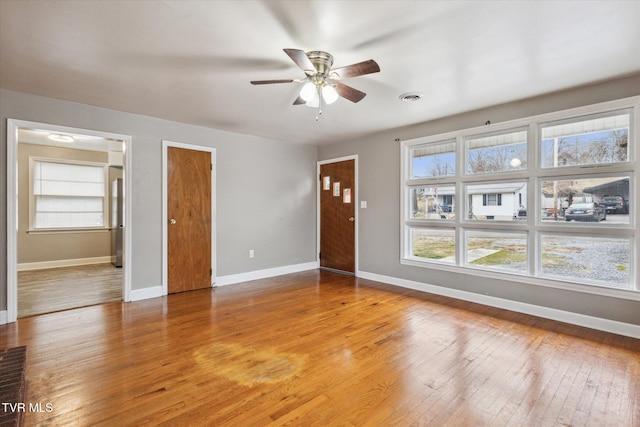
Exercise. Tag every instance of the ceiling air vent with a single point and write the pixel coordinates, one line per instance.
(411, 96)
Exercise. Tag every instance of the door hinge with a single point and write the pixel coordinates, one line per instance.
(211, 272)
(211, 165)
(319, 255)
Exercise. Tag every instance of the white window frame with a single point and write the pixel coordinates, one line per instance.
(32, 196)
(532, 224)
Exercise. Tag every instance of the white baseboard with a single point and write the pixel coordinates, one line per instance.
(3, 317)
(263, 274)
(145, 293)
(63, 263)
(156, 291)
(606, 325)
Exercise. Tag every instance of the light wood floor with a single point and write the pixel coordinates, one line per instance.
(318, 348)
(55, 289)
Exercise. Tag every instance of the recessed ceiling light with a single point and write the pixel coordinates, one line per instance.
(411, 96)
(60, 138)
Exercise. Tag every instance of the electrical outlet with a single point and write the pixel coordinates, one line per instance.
(251, 253)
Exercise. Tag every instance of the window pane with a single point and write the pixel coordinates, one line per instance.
(434, 160)
(68, 212)
(498, 251)
(68, 195)
(502, 201)
(497, 153)
(67, 188)
(434, 244)
(433, 202)
(586, 200)
(586, 142)
(69, 204)
(69, 219)
(603, 261)
(63, 179)
(69, 172)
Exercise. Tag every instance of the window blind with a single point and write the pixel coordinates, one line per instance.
(68, 195)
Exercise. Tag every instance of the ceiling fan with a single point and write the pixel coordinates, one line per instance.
(321, 83)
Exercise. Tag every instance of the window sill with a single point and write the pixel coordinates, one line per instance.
(67, 230)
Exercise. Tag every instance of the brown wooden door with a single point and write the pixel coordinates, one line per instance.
(189, 212)
(337, 216)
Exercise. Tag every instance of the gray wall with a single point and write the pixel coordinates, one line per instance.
(39, 247)
(266, 193)
(265, 188)
(379, 185)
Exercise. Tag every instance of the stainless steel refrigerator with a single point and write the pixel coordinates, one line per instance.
(117, 221)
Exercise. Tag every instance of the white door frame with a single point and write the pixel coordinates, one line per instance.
(12, 204)
(355, 201)
(165, 214)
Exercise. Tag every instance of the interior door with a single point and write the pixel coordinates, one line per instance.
(189, 212)
(337, 216)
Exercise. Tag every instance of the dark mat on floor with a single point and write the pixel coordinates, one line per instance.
(12, 384)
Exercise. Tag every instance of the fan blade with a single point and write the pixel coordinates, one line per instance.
(359, 69)
(268, 82)
(299, 101)
(347, 92)
(301, 59)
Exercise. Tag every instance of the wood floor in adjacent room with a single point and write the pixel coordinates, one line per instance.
(55, 289)
(318, 348)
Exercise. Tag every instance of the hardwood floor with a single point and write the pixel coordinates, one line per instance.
(318, 348)
(55, 289)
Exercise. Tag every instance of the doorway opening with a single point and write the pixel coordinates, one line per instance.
(68, 196)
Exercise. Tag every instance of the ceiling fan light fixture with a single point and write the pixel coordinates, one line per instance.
(329, 94)
(308, 91)
(321, 85)
(314, 102)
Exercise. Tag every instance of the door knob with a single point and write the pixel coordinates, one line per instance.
(352, 219)
(172, 221)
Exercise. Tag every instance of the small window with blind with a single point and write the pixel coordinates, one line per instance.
(67, 195)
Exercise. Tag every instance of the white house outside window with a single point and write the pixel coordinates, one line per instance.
(548, 198)
(67, 195)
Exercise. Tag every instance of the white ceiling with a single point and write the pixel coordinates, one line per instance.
(191, 61)
(80, 141)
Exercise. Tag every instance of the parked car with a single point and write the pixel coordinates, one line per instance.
(615, 204)
(586, 212)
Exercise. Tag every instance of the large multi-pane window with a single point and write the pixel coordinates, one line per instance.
(67, 195)
(549, 198)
